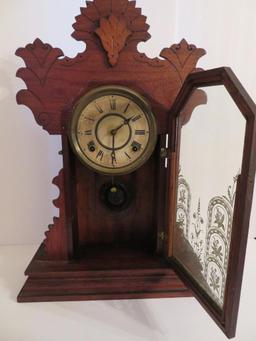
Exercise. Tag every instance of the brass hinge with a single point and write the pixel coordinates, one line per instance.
(162, 235)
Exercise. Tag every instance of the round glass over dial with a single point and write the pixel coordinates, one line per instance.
(113, 130)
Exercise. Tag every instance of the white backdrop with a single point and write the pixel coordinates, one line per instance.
(226, 29)
(29, 155)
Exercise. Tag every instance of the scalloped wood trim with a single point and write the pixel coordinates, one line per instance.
(55, 244)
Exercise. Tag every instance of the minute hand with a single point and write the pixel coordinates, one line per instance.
(113, 154)
(126, 121)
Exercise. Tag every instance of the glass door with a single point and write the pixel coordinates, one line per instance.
(212, 174)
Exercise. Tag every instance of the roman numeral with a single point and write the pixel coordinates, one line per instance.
(113, 103)
(113, 156)
(98, 108)
(88, 132)
(100, 155)
(125, 110)
(89, 119)
(128, 155)
(140, 132)
(136, 118)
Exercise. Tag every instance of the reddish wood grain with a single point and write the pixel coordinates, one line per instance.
(133, 226)
(102, 277)
(198, 97)
(54, 85)
(56, 242)
(113, 33)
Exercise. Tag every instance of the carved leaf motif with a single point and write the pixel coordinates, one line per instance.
(39, 58)
(183, 58)
(113, 34)
(126, 11)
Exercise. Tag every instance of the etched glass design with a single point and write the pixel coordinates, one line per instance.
(211, 150)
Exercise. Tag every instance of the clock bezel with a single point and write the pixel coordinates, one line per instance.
(113, 90)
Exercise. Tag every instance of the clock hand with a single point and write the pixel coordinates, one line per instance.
(113, 133)
(113, 154)
(126, 121)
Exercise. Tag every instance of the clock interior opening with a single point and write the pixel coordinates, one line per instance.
(117, 219)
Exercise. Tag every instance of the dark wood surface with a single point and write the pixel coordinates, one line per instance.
(226, 318)
(54, 85)
(56, 247)
(135, 225)
(103, 273)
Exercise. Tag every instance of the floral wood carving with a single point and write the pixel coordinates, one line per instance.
(56, 237)
(123, 10)
(55, 83)
(113, 34)
(183, 57)
(179, 61)
(39, 59)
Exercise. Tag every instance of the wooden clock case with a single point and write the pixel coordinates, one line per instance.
(91, 252)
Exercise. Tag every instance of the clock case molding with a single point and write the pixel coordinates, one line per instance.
(96, 266)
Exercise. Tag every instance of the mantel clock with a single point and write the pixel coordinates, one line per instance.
(158, 168)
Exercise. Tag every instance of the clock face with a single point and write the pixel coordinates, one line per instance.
(113, 130)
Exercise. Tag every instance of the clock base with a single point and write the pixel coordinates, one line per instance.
(132, 275)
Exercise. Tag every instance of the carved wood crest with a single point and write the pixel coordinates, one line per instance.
(102, 16)
(111, 30)
(54, 82)
(113, 34)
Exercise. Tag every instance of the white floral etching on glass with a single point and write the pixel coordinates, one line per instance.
(183, 206)
(210, 239)
(196, 235)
